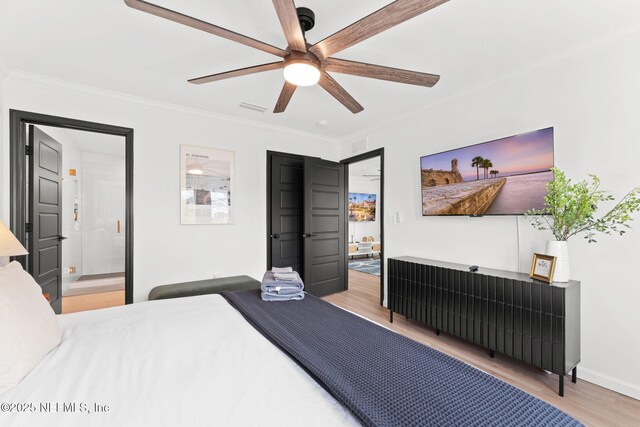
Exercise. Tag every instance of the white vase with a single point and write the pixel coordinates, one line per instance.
(560, 250)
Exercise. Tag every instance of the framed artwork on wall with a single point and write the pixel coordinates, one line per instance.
(206, 185)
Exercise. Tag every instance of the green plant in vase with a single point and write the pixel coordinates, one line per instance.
(571, 209)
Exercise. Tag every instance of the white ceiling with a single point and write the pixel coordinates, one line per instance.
(105, 44)
(365, 167)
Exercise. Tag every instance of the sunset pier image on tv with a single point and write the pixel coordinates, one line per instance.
(507, 176)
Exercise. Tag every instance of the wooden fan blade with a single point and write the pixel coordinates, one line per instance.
(204, 26)
(379, 72)
(285, 97)
(338, 92)
(288, 16)
(379, 21)
(237, 73)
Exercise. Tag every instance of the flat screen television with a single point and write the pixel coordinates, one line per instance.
(507, 176)
(362, 207)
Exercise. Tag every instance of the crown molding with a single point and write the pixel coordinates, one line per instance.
(582, 50)
(51, 83)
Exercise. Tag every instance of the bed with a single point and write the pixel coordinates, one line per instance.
(234, 360)
(182, 362)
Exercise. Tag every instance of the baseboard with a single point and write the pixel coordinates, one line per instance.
(622, 387)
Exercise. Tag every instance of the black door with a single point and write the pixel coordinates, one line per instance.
(324, 226)
(286, 216)
(45, 214)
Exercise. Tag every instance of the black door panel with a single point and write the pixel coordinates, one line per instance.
(45, 216)
(286, 183)
(324, 224)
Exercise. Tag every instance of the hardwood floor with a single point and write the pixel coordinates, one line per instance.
(92, 301)
(98, 291)
(100, 276)
(591, 404)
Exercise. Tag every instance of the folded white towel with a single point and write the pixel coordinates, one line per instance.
(270, 283)
(269, 296)
(282, 270)
(286, 276)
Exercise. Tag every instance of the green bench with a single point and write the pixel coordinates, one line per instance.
(204, 287)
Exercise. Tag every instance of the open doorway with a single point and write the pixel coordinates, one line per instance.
(365, 230)
(92, 211)
(71, 205)
(306, 221)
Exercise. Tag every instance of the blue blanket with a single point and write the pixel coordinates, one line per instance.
(386, 379)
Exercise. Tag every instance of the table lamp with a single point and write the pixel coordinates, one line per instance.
(9, 245)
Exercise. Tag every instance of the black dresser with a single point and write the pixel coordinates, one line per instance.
(502, 311)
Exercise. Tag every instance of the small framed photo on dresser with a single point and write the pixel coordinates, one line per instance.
(542, 267)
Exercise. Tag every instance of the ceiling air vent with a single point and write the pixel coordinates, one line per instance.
(253, 107)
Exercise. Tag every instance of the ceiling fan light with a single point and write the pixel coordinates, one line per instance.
(301, 73)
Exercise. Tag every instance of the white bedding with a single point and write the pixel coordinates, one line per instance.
(182, 362)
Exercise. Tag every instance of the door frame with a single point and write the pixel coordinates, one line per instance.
(18, 177)
(357, 158)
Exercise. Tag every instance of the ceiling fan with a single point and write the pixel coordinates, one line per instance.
(305, 64)
(374, 176)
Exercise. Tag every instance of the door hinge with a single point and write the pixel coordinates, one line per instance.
(28, 150)
(27, 227)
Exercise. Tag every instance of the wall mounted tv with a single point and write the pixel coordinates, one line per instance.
(507, 176)
(362, 207)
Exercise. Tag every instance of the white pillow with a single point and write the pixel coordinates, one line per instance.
(28, 326)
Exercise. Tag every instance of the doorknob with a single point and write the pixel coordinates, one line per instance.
(61, 238)
(307, 235)
(275, 236)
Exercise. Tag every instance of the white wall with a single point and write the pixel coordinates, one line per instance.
(165, 251)
(358, 184)
(103, 197)
(593, 101)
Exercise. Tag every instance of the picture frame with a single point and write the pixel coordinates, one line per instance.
(206, 185)
(543, 267)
